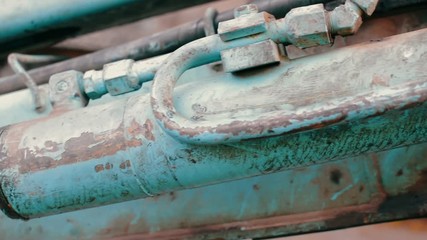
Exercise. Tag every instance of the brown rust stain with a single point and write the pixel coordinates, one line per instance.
(266, 124)
(125, 164)
(123, 225)
(51, 146)
(145, 130)
(378, 80)
(356, 213)
(87, 146)
(99, 168)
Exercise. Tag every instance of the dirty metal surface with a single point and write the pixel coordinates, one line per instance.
(117, 152)
(374, 30)
(353, 191)
(310, 92)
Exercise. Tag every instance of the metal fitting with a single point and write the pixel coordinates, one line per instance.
(66, 92)
(93, 84)
(250, 56)
(247, 22)
(245, 9)
(346, 19)
(368, 6)
(119, 77)
(308, 26)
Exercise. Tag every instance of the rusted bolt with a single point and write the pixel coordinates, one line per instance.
(308, 26)
(346, 19)
(245, 10)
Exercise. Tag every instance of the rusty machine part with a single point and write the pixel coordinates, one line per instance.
(236, 136)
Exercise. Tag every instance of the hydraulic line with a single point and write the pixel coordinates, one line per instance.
(167, 41)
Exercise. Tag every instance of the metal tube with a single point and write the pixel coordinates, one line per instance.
(27, 24)
(163, 42)
(155, 45)
(115, 152)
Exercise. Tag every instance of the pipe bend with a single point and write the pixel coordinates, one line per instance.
(273, 123)
(197, 53)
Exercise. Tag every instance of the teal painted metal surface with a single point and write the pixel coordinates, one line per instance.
(115, 152)
(369, 101)
(359, 190)
(88, 157)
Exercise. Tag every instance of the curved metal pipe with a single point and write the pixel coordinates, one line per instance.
(224, 130)
(274, 123)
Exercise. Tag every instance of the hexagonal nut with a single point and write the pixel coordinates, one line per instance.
(93, 84)
(119, 77)
(308, 26)
(368, 6)
(245, 9)
(66, 90)
(346, 19)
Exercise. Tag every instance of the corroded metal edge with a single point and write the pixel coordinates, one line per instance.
(5, 206)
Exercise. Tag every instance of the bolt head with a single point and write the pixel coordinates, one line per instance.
(346, 19)
(245, 10)
(308, 26)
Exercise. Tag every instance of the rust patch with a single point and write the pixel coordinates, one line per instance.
(99, 168)
(51, 146)
(148, 126)
(292, 221)
(87, 146)
(264, 126)
(378, 80)
(108, 166)
(146, 129)
(125, 164)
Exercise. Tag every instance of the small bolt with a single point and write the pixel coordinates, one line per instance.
(245, 10)
(61, 86)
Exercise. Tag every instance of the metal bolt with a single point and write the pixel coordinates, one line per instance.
(346, 19)
(368, 6)
(250, 56)
(245, 10)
